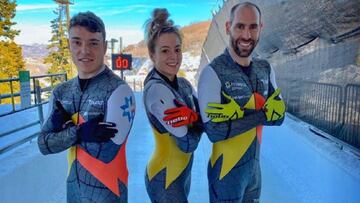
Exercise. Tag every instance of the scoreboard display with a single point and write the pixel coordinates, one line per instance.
(121, 61)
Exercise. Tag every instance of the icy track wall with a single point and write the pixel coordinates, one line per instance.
(308, 43)
(28, 176)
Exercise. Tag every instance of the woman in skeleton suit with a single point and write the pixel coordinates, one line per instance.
(171, 106)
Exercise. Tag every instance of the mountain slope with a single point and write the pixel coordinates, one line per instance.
(193, 38)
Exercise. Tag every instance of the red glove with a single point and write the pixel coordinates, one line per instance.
(180, 115)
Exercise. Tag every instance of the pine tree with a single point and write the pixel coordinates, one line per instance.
(59, 56)
(7, 12)
(11, 60)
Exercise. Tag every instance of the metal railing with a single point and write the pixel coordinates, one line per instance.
(321, 105)
(33, 79)
(38, 102)
(350, 131)
(333, 109)
(135, 85)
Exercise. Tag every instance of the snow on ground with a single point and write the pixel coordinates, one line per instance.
(297, 166)
(310, 167)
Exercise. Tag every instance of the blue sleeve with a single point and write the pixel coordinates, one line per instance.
(50, 141)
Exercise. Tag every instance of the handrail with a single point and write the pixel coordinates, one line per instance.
(13, 145)
(35, 76)
(24, 109)
(21, 128)
(37, 90)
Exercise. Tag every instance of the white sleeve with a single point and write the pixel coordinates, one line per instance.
(209, 90)
(272, 77)
(121, 111)
(159, 98)
(273, 80)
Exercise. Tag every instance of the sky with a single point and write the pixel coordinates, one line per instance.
(122, 18)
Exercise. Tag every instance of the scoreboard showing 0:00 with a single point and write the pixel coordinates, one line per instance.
(121, 61)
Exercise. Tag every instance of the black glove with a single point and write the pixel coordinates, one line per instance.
(60, 118)
(95, 130)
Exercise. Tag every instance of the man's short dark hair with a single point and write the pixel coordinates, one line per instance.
(90, 21)
(246, 4)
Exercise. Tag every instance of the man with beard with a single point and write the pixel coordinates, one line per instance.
(237, 96)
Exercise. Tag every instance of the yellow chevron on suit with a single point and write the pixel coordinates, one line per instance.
(233, 148)
(167, 155)
(71, 155)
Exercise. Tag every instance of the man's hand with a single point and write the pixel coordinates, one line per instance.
(180, 115)
(95, 130)
(274, 108)
(60, 118)
(224, 112)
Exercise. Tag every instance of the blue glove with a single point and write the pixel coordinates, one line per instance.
(60, 118)
(95, 130)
